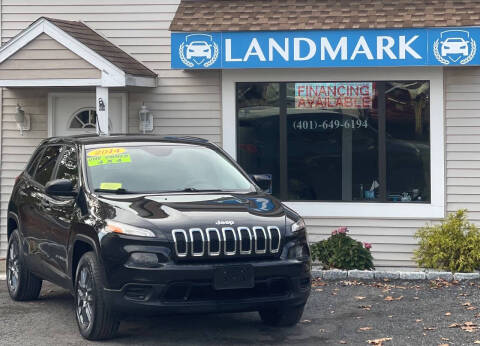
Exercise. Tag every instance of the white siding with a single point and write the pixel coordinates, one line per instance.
(185, 103)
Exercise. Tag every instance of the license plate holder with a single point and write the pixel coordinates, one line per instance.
(233, 277)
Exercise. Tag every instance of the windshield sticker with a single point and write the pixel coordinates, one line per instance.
(106, 151)
(110, 186)
(108, 159)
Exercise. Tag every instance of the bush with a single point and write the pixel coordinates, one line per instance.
(453, 245)
(342, 252)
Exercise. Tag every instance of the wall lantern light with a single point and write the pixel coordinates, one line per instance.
(22, 119)
(146, 119)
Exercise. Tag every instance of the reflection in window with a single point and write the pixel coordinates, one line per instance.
(47, 164)
(258, 131)
(408, 141)
(67, 167)
(345, 141)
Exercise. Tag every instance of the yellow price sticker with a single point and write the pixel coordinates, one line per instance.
(108, 159)
(106, 151)
(110, 186)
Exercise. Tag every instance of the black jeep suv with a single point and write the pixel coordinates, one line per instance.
(153, 225)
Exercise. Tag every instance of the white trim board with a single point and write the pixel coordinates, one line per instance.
(112, 75)
(53, 95)
(434, 210)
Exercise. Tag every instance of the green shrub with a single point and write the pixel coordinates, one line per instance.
(342, 252)
(453, 245)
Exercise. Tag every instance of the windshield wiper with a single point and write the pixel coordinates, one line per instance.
(117, 191)
(193, 189)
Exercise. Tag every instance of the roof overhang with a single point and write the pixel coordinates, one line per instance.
(111, 75)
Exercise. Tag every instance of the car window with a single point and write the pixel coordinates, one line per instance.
(68, 166)
(47, 164)
(32, 165)
(146, 168)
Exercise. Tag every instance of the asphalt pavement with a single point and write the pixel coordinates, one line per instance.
(346, 312)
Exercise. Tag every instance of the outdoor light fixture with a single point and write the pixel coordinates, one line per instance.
(22, 119)
(146, 119)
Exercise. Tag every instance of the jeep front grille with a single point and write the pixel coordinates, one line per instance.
(227, 241)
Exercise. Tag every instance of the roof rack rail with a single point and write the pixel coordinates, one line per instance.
(186, 138)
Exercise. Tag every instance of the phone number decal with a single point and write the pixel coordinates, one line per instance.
(329, 124)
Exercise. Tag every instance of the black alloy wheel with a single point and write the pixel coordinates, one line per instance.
(21, 283)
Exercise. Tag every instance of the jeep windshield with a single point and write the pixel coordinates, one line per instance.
(161, 168)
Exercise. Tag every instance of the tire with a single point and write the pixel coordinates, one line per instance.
(95, 318)
(21, 283)
(282, 317)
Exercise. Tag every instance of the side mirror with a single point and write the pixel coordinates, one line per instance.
(60, 187)
(264, 181)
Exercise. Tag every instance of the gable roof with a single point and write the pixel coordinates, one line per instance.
(103, 47)
(118, 69)
(258, 15)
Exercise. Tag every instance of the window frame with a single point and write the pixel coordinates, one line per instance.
(434, 210)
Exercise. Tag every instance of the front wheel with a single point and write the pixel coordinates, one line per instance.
(282, 317)
(21, 283)
(95, 318)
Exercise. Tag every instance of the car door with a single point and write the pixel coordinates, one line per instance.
(60, 213)
(25, 203)
(37, 221)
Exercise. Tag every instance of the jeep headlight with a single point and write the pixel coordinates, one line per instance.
(297, 226)
(121, 228)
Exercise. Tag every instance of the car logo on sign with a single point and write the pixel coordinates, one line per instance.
(198, 50)
(454, 46)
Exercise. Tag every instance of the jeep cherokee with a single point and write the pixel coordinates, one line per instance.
(142, 224)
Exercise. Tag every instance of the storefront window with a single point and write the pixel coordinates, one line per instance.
(337, 141)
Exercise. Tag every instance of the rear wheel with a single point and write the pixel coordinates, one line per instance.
(282, 317)
(95, 318)
(21, 283)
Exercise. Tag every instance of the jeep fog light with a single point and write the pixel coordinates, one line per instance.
(299, 251)
(142, 259)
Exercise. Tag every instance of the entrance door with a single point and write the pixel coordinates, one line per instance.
(74, 113)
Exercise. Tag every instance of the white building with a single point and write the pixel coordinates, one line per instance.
(358, 125)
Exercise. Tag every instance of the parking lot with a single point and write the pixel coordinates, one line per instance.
(346, 312)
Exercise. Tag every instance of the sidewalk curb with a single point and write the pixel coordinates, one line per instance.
(336, 274)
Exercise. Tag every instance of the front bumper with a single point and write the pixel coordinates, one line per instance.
(188, 288)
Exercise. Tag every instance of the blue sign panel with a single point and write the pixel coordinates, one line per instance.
(333, 48)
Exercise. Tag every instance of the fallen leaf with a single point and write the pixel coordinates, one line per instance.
(418, 320)
(365, 328)
(359, 297)
(469, 324)
(343, 342)
(306, 321)
(390, 316)
(416, 298)
(476, 342)
(471, 308)
(448, 313)
(365, 307)
(390, 298)
(378, 342)
(467, 304)
(430, 328)
(454, 325)
(443, 345)
(445, 339)
(319, 289)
